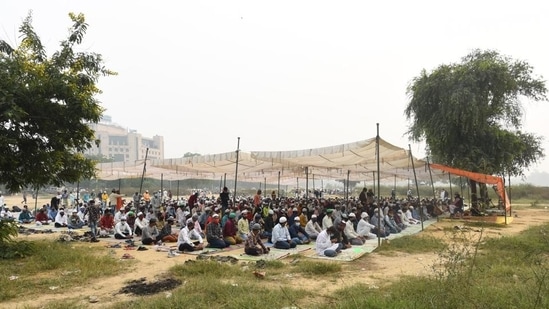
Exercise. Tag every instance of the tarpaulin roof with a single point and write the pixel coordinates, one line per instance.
(356, 161)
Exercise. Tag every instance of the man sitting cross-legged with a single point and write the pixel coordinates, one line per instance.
(184, 242)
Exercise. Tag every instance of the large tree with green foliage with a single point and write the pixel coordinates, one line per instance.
(46, 104)
(470, 113)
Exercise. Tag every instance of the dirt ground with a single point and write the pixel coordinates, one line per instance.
(373, 269)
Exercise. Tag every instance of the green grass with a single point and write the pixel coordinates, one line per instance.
(210, 284)
(56, 264)
(317, 268)
(412, 244)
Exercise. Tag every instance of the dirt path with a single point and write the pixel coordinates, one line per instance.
(373, 270)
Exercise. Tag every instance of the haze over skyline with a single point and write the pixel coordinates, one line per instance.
(282, 75)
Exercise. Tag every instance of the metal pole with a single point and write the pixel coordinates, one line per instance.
(450, 181)
(236, 171)
(221, 184)
(144, 171)
(178, 189)
(431, 177)
(297, 188)
(161, 187)
(225, 180)
(348, 189)
(36, 202)
(278, 187)
(417, 186)
(307, 182)
(374, 180)
(379, 204)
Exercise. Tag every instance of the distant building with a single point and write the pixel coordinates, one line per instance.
(123, 145)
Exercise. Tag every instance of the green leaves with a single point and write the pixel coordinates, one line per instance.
(45, 107)
(470, 113)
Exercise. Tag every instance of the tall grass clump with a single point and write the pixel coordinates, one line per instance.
(471, 272)
(56, 264)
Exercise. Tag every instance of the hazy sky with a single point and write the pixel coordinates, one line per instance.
(282, 75)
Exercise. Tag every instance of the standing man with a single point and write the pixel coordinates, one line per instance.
(94, 213)
(224, 196)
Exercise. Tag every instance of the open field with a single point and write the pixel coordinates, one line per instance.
(376, 270)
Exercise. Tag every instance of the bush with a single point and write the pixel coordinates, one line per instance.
(9, 247)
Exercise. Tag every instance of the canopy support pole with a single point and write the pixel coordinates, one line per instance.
(417, 186)
(144, 170)
(236, 171)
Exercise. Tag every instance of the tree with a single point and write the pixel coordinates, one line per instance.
(470, 114)
(46, 104)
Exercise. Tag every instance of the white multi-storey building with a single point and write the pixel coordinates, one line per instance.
(123, 145)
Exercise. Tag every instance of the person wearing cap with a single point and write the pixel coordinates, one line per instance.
(244, 225)
(214, 236)
(313, 228)
(74, 221)
(364, 228)
(327, 220)
(281, 236)
(230, 231)
(61, 219)
(166, 234)
(327, 243)
(185, 239)
(268, 224)
(354, 238)
(106, 223)
(253, 244)
(203, 218)
(298, 234)
(119, 214)
(122, 229)
(225, 217)
(150, 234)
(140, 224)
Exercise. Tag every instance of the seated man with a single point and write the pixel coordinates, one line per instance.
(253, 244)
(327, 243)
(106, 223)
(166, 233)
(184, 242)
(61, 219)
(150, 234)
(297, 233)
(74, 221)
(214, 235)
(42, 217)
(281, 236)
(140, 223)
(456, 209)
(352, 235)
(122, 229)
(364, 228)
(25, 216)
(230, 231)
(313, 228)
